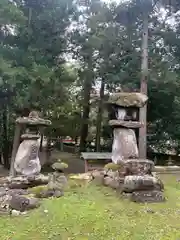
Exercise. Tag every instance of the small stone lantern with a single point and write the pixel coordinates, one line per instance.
(24, 159)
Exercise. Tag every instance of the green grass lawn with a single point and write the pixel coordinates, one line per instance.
(95, 213)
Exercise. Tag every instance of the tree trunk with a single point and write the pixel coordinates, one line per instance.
(5, 142)
(85, 116)
(144, 78)
(99, 117)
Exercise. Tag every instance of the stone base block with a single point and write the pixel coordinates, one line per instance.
(21, 203)
(139, 166)
(110, 182)
(139, 183)
(147, 196)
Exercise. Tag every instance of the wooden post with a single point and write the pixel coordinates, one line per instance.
(144, 77)
(85, 165)
(15, 148)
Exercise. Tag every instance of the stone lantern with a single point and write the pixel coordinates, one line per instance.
(25, 159)
(124, 119)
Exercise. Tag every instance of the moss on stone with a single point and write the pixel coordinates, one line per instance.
(38, 190)
(59, 166)
(124, 99)
(112, 166)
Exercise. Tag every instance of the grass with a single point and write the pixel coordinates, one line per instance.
(93, 213)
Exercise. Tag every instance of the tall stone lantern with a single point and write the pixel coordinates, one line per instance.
(124, 119)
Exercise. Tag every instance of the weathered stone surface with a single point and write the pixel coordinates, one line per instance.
(124, 145)
(99, 180)
(21, 203)
(33, 121)
(29, 136)
(139, 166)
(6, 191)
(96, 173)
(3, 191)
(4, 202)
(125, 99)
(98, 177)
(17, 192)
(33, 203)
(139, 183)
(112, 174)
(127, 124)
(58, 193)
(50, 193)
(57, 181)
(110, 182)
(24, 182)
(27, 159)
(147, 196)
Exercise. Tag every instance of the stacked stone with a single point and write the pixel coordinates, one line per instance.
(23, 193)
(139, 181)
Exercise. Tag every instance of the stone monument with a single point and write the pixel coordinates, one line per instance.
(124, 119)
(25, 159)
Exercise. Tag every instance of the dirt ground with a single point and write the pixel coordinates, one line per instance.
(76, 165)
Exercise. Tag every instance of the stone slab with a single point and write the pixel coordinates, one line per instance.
(33, 121)
(127, 124)
(23, 182)
(139, 183)
(96, 156)
(30, 136)
(128, 99)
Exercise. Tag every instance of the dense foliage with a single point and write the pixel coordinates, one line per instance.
(37, 40)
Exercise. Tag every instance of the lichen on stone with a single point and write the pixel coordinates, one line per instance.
(125, 99)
